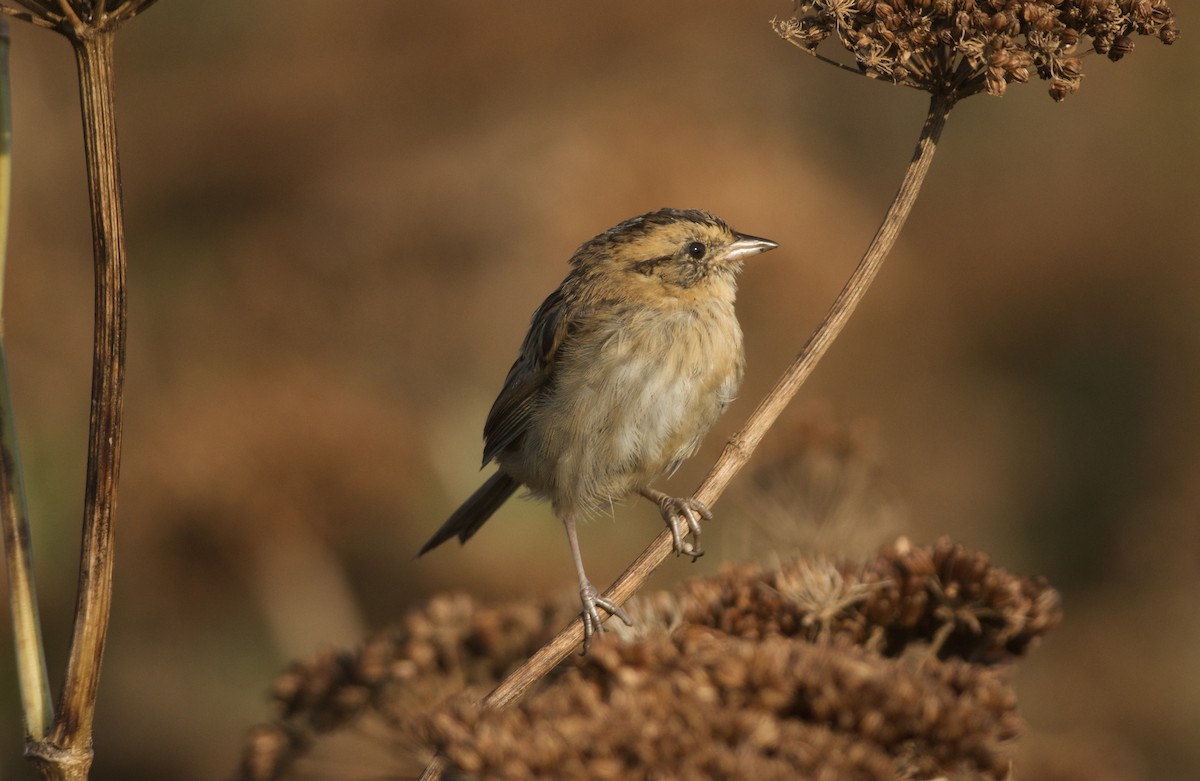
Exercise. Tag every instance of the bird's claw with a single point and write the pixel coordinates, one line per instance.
(592, 622)
(677, 511)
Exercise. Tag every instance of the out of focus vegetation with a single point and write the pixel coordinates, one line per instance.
(340, 218)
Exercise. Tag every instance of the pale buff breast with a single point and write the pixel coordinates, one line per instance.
(630, 401)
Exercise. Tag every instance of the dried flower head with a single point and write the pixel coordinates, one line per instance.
(957, 48)
(704, 705)
(945, 596)
(450, 644)
(893, 667)
(75, 18)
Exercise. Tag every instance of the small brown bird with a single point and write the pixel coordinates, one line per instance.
(625, 368)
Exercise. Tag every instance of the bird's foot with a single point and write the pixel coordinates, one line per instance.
(678, 511)
(592, 622)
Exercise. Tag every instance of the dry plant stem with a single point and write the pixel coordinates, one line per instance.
(36, 703)
(742, 444)
(67, 752)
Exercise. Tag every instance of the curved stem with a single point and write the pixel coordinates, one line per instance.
(68, 748)
(742, 444)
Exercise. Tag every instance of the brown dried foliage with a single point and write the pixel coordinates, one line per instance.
(885, 669)
(449, 645)
(702, 704)
(961, 47)
(945, 595)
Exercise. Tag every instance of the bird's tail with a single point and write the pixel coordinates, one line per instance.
(467, 519)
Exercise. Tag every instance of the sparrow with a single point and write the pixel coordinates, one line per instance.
(625, 368)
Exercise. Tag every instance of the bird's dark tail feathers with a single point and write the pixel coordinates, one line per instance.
(467, 519)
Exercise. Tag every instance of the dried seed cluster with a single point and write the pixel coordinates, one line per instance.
(703, 705)
(450, 644)
(957, 48)
(811, 669)
(66, 15)
(944, 595)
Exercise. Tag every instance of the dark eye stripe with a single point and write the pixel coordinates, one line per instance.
(648, 266)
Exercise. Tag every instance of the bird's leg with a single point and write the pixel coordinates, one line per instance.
(588, 595)
(679, 510)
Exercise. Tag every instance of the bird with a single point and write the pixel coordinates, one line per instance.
(624, 369)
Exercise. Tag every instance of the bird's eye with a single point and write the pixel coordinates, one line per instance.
(696, 250)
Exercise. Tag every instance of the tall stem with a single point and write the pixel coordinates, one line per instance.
(36, 703)
(69, 746)
(742, 444)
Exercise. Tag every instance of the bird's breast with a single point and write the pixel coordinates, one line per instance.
(633, 394)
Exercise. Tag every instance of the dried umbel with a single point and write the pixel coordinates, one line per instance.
(957, 48)
(704, 705)
(811, 669)
(450, 644)
(945, 596)
(75, 18)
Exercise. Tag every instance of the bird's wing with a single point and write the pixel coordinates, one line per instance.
(529, 375)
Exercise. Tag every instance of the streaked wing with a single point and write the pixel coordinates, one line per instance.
(529, 374)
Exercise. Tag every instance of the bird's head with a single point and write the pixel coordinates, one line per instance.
(679, 248)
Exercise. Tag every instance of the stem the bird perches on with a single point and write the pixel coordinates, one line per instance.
(66, 753)
(742, 444)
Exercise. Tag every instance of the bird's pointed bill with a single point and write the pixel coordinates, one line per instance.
(745, 246)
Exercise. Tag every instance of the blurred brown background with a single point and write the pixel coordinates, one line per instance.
(341, 216)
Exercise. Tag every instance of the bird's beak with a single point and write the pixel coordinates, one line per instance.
(744, 246)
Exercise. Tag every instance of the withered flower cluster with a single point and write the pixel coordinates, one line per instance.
(945, 595)
(450, 644)
(703, 705)
(957, 48)
(882, 669)
(73, 17)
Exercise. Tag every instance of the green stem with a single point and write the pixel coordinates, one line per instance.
(36, 702)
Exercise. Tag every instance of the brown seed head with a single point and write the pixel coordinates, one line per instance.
(76, 19)
(956, 48)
